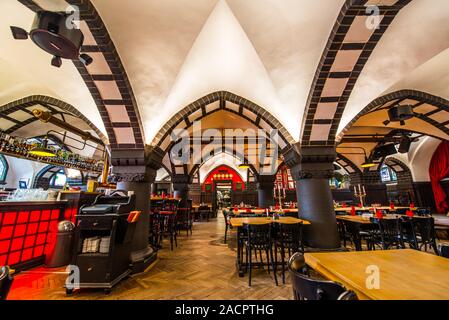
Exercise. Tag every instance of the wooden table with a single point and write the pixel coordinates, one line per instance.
(348, 209)
(239, 222)
(404, 274)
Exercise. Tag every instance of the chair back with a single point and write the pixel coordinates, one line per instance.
(444, 251)
(425, 228)
(290, 235)
(307, 288)
(5, 282)
(389, 228)
(259, 235)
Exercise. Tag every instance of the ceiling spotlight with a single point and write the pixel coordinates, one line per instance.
(386, 122)
(86, 59)
(405, 144)
(56, 62)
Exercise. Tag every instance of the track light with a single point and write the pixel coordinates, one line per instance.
(405, 144)
(386, 122)
(56, 62)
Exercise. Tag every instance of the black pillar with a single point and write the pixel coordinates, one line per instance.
(181, 187)
(265, 186)
(312, 167)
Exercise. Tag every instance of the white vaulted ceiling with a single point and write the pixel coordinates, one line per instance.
(176, 52)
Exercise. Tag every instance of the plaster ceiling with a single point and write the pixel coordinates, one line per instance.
(178, 51)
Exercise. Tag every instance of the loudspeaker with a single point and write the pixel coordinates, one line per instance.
(401, 113)
(404, 146)
(384, 151)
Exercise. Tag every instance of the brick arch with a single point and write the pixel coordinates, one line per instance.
(47, 102)
(393, 98)
(347, 164)
(196, 167)
(332, 85)
(244, 108)
(396, 164)
(114, 80)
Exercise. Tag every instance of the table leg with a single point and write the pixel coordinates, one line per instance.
(239, 254)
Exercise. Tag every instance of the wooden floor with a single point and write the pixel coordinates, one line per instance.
(202, 268)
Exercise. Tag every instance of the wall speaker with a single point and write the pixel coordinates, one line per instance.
(384, 151)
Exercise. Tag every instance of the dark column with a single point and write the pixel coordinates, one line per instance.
(137, 178)
(265, 186)
(312, 167)
(181, 187)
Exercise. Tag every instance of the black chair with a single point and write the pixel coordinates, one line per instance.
(167, 221)
(444, 251)
(356, 233)
(287, 239)
(387, 235)
(259, 240)
(227, 221)
(308, 288)
(184, 220)
(204, 213)
(420, 232)
(5, 282)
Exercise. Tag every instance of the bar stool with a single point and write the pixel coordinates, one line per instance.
(168, 226)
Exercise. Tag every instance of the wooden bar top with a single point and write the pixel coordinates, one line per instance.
(239, 222)
(404, 274)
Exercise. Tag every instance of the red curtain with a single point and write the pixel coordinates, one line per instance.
(439, 170)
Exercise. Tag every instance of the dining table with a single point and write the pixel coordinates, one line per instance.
(403, 274)
(239, 223)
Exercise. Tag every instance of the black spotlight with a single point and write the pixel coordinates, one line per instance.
(386, 122)
(56, 62)
(405, 144)
(86, 59)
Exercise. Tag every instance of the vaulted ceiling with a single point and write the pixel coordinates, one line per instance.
(312, 65)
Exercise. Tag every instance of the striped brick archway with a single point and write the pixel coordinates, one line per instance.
(25, 106)
(208, 105)
(335, 78)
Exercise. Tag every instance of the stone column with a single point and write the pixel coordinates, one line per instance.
(265, 186)
(312, 167)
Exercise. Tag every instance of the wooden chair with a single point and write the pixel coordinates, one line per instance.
(307, 288)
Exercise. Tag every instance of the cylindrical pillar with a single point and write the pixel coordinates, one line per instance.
(265, 187)
(315, 204)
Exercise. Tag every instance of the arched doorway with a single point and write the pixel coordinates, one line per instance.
(223, 182)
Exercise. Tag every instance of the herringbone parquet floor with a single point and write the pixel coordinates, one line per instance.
(201, 267)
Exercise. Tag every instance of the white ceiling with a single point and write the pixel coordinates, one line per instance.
(177, 51)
